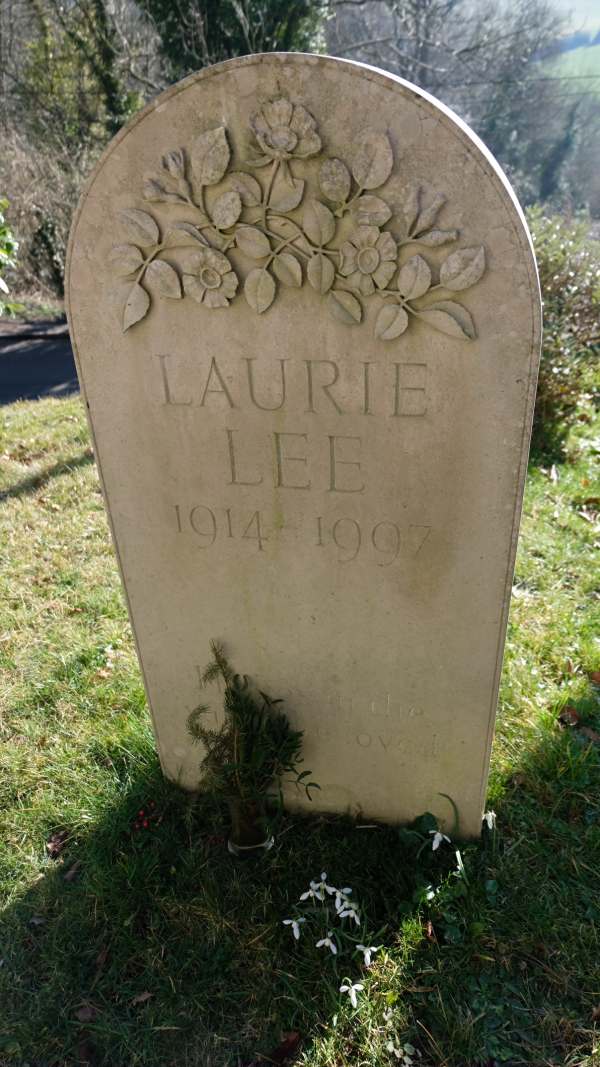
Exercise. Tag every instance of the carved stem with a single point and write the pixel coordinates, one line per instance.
(265, 202)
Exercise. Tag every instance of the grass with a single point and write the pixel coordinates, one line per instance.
(154, 948)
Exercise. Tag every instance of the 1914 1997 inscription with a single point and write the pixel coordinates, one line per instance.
(307, 339)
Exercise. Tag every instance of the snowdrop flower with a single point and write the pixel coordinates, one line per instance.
(367, 951)
(349, 912)
(317, 890)
(352, 990)
(459, 862)
(328, 943)
(295, 925)
(429, 893)
(342, 897)
(438, 838)
(490, 819)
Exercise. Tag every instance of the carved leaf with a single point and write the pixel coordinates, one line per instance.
(391, 322)
(174, 162)
(463, 268)
(414, 278)
(334, 179)
(137, 305)
(320, 273)
(124, 259)
(165, 279)
(411, 207)
(247, 188)
(140, 226)
(259, 289)
(192, 231)
(227, 210)
(449, 318)
(371, 211)
(287, 268)
(373, 160)
(252, 242)
(318, 223)
(287, 195)
(155, 191)
(210, 156)
(438, 237)
(430, 214)
(344, 307)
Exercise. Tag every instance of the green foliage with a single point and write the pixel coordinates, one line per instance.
(569, 268)
(196, 33)
(8, 258)
(254, 746)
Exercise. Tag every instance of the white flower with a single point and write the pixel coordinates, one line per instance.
(352, 990)
(342, 897)
(490, 819)
(349, 912)
(328, 943)
(459, 862)
(438, 838)
(388, 1016)
(295, 925)
(430, 893)
(367, 951)
(317, 890)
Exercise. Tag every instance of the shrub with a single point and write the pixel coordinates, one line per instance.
(569, 266)
(8, 253)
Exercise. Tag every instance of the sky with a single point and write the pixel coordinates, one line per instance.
(585, 14)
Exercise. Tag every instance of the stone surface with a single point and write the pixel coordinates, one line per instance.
(306, 317)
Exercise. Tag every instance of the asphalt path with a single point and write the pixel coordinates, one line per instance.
(35, 361)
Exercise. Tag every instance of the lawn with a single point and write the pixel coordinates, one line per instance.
(153, 947)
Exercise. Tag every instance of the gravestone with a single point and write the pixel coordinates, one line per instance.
(306, 318)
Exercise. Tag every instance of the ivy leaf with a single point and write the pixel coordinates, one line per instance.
(124, 259)
(437, 237)
(252, 242)
(210, 156)
(430, 214)
(318, 223)
(391, 322)
(140, 226)
(334, 179)
(287, 195)
(345, 307)
(414, 278)
(165, 279)
(259, 289)
(192, 231)
(227, 210)
(373, 160)
(136, 307)
(287, 268)
(320, 273)
(247, 188)
(449, 318)
(371, 211)
(463, 268)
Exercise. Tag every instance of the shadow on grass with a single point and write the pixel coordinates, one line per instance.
(42, 477)
(155, 947)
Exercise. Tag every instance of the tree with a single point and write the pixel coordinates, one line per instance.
(196, 33)
(484, 59)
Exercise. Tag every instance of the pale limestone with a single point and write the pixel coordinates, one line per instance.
(387, 652)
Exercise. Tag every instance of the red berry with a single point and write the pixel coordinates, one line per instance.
(141, 813)
(145, 824)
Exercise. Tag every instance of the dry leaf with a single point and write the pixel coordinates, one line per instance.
(86, 1013)
(569, 716)
(72, 872)
(594, 677)
(56, 842)
(141, 998)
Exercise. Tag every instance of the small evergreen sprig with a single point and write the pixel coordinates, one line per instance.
(254, 747)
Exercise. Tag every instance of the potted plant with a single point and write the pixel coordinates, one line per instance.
(252, 751)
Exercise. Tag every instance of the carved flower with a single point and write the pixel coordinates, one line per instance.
(286, 131)
(368, 259)
(210, 279)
